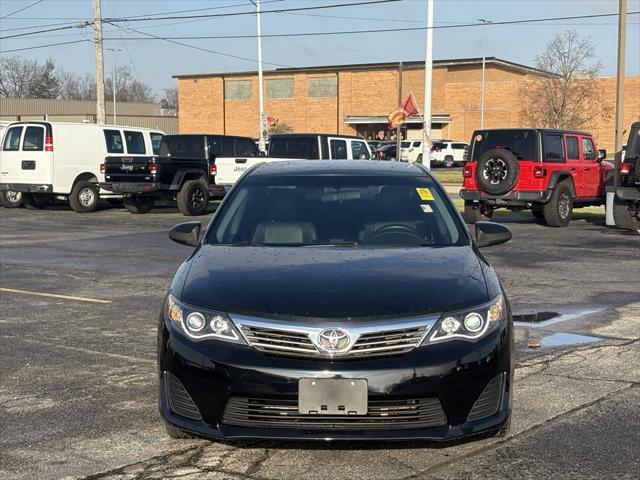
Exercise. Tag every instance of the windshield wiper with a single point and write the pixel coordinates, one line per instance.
(334, 244)
(245, 243)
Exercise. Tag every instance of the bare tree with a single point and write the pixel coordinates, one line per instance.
(16, 76)
(170, 98)
(128, 88)
(45, 83)
(568, 95)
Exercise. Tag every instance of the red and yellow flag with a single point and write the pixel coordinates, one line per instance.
(406, 109)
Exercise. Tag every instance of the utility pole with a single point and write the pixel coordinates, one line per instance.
(428, 74)
(622, 40)
(398, 130)
(113, 82)
(97, 23)
(484, 54)
(262, 119)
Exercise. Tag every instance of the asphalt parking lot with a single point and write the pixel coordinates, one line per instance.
(78, 379)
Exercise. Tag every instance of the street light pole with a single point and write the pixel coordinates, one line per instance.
(113, 81)
(97, 22)
(262, 120)
(484, 24)
(428, 75)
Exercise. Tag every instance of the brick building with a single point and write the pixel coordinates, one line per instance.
(355, 99)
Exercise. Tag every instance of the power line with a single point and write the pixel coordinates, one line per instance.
(21, 10)
(46, 45)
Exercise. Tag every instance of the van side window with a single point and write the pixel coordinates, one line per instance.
(338, 149)
(114, 141)
(572, 148)
(135, 142)
(553, 151)
(246, 148)
(12, 139)
(588, 152)
(358, 149)
(156, 138)
(33, 139)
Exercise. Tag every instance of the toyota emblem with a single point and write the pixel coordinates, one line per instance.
(333, 339)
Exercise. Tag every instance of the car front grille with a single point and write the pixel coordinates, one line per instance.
(180, 401)
(298, 344)
(382, 414)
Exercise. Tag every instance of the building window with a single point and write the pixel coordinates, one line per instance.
(319, 87)
(237, 89)
(279, 88)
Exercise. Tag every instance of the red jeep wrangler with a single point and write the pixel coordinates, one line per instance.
(548, 171)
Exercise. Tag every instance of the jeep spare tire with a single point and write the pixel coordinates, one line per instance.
(497, 171)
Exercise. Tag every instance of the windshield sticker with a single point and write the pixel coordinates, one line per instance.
(424, 193)
(426, 208)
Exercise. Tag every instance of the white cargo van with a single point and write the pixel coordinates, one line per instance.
(47, 160)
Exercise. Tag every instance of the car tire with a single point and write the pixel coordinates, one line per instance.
(623, 216)
(448, 161)
(497, 171)
(138, 205)
(177, 433)
(193, 198)
(537, 212)
(11, 199)
(557, 211)
(35, 201)
(84, 197)
(473, 213)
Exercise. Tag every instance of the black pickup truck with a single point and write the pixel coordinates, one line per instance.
(626, 203)
(184, 170)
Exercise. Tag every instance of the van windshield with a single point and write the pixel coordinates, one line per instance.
(182, 146)
(522, 143)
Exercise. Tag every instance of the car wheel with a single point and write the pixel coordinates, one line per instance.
(624, 215)
(193, 198)
(474, 212)
(448, 161)
(11, 199)
(557, 211)
(35, 201)
(497, 171)
(138, 205)
(537, 212)
(177, 433)
(84, 197)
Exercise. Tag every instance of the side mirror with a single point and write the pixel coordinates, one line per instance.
(490, 233)
(602, 154)
(187, 233)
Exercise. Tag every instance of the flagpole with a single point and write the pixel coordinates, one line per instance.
(428, 73)
(398, 131)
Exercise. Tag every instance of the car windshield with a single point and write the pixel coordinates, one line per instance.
(337, 210)
(522, 143)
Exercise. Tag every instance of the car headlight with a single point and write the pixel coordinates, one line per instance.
(471, 323)
(199, 323)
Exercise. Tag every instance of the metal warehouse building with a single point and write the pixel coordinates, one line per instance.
(356, 99)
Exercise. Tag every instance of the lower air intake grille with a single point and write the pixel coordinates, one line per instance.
(254, 412)
(179, 400)
(488, 402)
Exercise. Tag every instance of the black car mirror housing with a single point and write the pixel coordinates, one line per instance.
(491, 233)
(187, 233)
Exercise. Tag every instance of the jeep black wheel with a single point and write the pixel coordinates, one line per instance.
(625, 215)
(475, 212)
(138, 205)
(11, 199)
(84, 197)
(557, 211)
(193, 198)
(35, 201)
(497, 171)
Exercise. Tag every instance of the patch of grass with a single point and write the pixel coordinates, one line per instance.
(448, 176)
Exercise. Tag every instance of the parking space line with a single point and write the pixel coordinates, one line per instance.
(55, 295)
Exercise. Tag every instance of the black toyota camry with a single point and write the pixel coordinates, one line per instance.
(336, 300)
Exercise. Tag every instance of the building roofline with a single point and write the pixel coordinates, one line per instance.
(376, 66)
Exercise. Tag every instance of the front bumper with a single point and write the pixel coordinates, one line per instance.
(513, 198)
(452, 374)
(26, 187)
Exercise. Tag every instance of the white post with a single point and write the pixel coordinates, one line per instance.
(484, 24)
(262, 120)
(97, 19)
(113, 83)
(428, 74)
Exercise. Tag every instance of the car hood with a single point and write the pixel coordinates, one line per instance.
(334, 282)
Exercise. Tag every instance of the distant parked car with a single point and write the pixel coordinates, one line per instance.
(9, 199)
(411, 151)
(448, 153)
(45, 160)
(626, 203)
(388, 152)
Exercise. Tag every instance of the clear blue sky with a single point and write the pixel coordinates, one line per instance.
(156, 61)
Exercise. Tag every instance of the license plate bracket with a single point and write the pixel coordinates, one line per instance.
(332, 396)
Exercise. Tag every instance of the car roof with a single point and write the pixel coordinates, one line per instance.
(338, 168)
(541, 130)
(323, 135)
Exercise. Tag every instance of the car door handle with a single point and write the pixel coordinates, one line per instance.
(241, 160)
